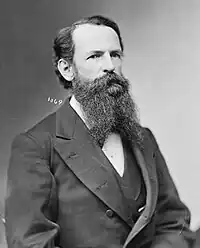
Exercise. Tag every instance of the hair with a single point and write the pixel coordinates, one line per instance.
(63, 45)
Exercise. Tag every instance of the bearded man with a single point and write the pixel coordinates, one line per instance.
(89, 175)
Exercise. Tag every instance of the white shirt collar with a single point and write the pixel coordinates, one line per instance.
(77, 107)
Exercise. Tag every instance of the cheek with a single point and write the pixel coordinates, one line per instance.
(90, 70)
(118, 69)
(117, 63)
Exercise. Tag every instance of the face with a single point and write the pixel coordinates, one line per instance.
(97, 51)
(100, 87)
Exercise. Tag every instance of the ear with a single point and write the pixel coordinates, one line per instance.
(65, 69)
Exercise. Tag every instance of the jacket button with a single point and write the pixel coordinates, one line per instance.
(109, 213)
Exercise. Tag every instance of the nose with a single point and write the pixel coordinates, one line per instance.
(108, 65)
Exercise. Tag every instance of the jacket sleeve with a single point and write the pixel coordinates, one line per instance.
(172, 216)
(30, 206)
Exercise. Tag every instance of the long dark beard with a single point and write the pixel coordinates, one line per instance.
(108, 107)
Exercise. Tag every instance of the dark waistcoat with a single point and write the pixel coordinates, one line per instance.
(131, 183)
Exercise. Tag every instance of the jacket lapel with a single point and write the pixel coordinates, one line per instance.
(145, 160)
(86, 160)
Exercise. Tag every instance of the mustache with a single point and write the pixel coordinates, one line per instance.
(108, 80)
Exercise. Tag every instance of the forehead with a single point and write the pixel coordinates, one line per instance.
(88, 37)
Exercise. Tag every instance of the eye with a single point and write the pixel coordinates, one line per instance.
(116, 55)
(94, 56)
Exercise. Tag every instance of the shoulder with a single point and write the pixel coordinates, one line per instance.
(47, 124)
(36, 136)
(149, 138)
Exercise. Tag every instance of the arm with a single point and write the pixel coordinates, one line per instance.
(30, 208)
(172, 216)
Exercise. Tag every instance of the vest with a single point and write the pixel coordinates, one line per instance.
(131, 183)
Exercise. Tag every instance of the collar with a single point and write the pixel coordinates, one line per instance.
(77, 107)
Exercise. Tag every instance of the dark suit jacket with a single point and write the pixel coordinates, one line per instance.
(61, 194)
(197, 244)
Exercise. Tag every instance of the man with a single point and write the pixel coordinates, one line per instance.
(89, 175)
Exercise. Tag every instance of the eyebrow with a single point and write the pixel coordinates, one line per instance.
(120, 52)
